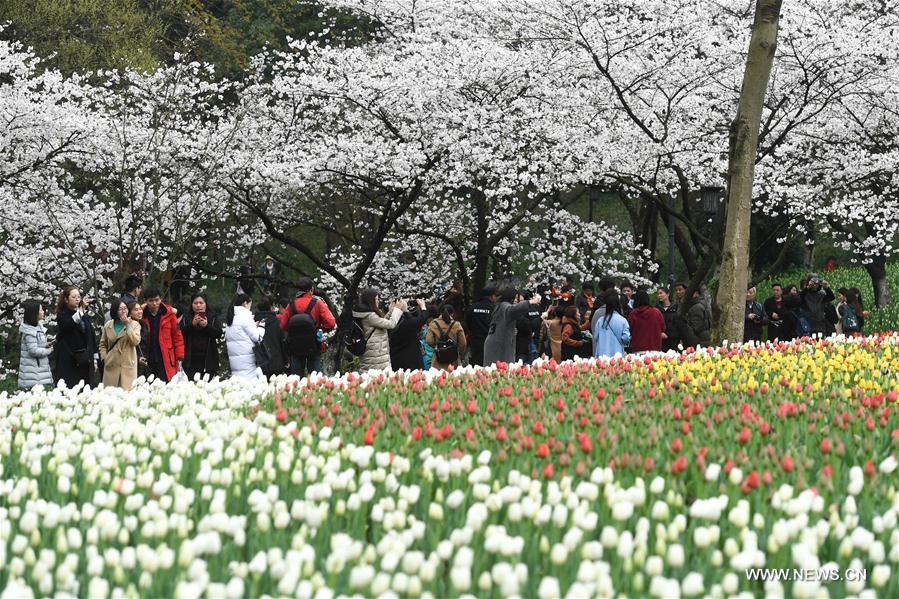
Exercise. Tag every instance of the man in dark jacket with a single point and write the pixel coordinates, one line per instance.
(405, 345)
(814, 297)
(273, 338)
(775, 311)
(754, 319)
(479, 324)
(700, 320)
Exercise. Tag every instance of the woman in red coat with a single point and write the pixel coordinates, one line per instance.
(647, 325)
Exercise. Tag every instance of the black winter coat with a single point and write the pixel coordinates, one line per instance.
(677, 331)
(405, 345)
(813, 304)
(274, 340)
(211, 334)
(752, 328)
(73, 336)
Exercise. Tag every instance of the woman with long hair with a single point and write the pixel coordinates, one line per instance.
(574, 342)
(76, 341)
(34, 358)
(854, 300)
(375, 327)
(613, 333)
(119, 341)
(241, 335)
(446, 336)
(202, 330)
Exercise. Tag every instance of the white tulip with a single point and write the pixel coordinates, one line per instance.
(675, 556)
(880, 576)
(549, 588)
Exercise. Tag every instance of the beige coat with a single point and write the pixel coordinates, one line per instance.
(377, 349)
(119, 363)
(555, 338)
(455, 333)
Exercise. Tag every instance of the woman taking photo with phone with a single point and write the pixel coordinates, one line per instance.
(242, 334)
(34, 361)
(118, 347)
(202, 331)
(76, 340)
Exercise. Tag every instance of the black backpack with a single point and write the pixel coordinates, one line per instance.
(446, 351)
(301, 331)
(263, 356)
(356, 341)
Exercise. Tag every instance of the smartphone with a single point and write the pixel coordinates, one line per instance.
(202, 315)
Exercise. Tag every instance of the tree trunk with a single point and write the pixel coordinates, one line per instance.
(482, 252)
(744, 134)
(877, 270)
(808, 252)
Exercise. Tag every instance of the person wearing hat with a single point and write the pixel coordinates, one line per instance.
(268, 283)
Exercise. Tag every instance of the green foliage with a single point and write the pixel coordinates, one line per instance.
(84, 35)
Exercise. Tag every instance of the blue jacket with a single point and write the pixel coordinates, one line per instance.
(611, 338)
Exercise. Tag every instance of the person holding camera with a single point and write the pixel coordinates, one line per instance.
(34, 359)
(405, 347)
(375, 327)
(76, 357)
(118, 347)
(816, 296)
(446, 336)
(500, 343)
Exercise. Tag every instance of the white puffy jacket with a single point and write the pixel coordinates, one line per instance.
(240, 338)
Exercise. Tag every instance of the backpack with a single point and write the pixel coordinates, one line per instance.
(301, 331)
(263, 356)
(803, 328)
(356, 341)
(851, 323)
(446, 351)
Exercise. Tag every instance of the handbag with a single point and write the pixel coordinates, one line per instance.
(80, 357)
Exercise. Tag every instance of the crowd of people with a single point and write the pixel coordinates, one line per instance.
(141, 335)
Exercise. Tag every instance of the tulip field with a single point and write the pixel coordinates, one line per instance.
(655, 476)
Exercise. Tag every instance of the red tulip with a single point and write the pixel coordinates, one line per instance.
(787, 463)
(542, 450)
(369, 438)
(501, 434)
(825, 445)
(281, 416)
(745, 435)
(869, 469)
(548, 471)
(416, 433)
(677, 445)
